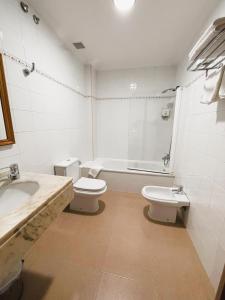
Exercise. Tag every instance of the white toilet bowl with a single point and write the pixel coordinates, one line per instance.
(86, 194)
(86, 190)
(164, 203)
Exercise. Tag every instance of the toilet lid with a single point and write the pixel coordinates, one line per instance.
(89, 184)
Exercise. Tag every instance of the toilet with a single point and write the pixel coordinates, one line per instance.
(164, 202)
(86, 190)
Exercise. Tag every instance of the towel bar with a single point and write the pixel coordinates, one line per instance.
(212, 55)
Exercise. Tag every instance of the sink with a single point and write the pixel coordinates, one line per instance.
(15, 195)
(27, 207)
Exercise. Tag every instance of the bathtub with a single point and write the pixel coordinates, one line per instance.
(128, 175)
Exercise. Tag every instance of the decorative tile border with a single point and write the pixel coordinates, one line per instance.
(25, 64)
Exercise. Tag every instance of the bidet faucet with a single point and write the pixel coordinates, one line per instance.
(11, 172)
(178, 189)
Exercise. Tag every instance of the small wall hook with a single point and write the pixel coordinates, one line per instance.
(27, 72)
(24, 7)
(36, 19)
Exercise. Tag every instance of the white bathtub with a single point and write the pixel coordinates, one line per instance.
(130, 176)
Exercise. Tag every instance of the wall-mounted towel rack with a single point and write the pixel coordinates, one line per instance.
(211, 56)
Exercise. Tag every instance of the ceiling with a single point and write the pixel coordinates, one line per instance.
(154, 33)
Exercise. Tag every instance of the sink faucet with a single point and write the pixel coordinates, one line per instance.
(11, 172)
(178, 189)
(14, 172)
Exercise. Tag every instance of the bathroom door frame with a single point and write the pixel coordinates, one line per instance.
(220, 295)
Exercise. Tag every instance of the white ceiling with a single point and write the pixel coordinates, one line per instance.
(154, 33)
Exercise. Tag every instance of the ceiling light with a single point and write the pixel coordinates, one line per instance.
(124, 5)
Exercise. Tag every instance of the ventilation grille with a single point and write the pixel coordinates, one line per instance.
(79, 45)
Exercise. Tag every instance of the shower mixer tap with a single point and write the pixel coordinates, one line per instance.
(166, 159)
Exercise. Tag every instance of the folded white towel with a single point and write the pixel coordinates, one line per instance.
(94, 171)
(214, 87)
(211, 32)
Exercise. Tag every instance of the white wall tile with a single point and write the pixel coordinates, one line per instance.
(46, 117)
(149, 81)
(112, 128)
(200, 168)
(200, 153)
(120, 123)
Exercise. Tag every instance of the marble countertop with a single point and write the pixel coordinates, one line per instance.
(49, 187)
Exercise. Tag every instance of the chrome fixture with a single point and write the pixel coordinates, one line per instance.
(171, 89)
(166, 159)
(4, 174)
(14, 172)
(36, 19)
(24, 7)
(11, 172)
(178, 189)
(27, 72)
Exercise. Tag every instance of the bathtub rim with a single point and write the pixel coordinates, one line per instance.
(127, 171)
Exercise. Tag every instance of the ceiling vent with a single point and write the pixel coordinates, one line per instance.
(79, 45)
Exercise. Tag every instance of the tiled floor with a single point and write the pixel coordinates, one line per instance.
(118, 254)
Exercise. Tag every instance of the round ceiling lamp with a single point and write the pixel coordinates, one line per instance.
(124, 5)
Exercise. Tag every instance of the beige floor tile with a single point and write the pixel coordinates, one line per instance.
(113, 287)
(52, 247)
(139, 259)
(61, 281)
(86, 247)
(127, 253)
(66, 223)
(89, 248)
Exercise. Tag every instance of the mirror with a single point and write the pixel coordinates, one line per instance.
(6, 127)
(2, 126)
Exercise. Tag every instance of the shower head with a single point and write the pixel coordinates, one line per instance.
(171, 89)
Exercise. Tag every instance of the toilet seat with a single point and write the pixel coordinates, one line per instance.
(89, 185)
(86, 190)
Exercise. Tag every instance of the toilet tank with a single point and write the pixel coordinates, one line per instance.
(68, 167)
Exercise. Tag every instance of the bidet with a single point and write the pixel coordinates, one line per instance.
(164, 202)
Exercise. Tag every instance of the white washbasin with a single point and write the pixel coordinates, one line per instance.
(15, 196)
(165, 195)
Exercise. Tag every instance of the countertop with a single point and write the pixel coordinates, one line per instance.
(49, 187)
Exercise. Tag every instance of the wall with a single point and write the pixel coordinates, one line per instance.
(200, 167)
(50, 121)
(120, 121)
